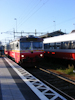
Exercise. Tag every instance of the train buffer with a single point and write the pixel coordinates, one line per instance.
(18, 84)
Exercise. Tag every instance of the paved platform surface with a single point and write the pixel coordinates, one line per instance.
(9, 89)
(17, 84)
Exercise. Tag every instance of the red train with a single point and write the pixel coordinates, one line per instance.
(62, 46)
(25, 49)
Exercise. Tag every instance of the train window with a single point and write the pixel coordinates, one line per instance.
(70, 44)
(11, 46)
(25, 45)
(58, 47)
(17, 45)
(73, 44)
(46, 46)
(55, 47)
(66, 45)
(51, 47)
(37, 45)
(58, 43)
(62, 45)
(52, 44)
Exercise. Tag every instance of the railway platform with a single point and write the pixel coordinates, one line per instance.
(18, 84)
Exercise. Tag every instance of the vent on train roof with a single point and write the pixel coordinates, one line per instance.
(30, 36)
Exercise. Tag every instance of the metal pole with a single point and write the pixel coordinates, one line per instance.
(16, 23)
(14, 33)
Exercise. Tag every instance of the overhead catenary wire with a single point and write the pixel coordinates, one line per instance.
(19, 18)
(28, 13)
(33, 13)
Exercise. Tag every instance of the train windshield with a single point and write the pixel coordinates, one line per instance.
(25, 45)
(37, 45)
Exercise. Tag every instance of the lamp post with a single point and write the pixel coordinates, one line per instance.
(16, 23)
(54, 25)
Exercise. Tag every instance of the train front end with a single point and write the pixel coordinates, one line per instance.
(31, 49)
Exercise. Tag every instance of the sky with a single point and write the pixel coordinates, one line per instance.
(40, 15)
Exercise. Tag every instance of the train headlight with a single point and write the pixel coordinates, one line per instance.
(22, 55)
(41, 55)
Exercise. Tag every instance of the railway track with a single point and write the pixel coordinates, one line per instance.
(60, 84)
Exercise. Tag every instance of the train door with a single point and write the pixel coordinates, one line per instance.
(17, 52)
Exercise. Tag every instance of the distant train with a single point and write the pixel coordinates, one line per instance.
(1, 50)
(62, 46)
(25, 49)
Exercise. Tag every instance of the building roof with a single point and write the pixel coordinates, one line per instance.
(52, 34)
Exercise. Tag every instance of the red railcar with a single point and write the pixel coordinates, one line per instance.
(62, 46)
(25, 49)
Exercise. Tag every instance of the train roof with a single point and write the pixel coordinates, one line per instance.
(30, 38)
(61, 38)
(27, 38)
